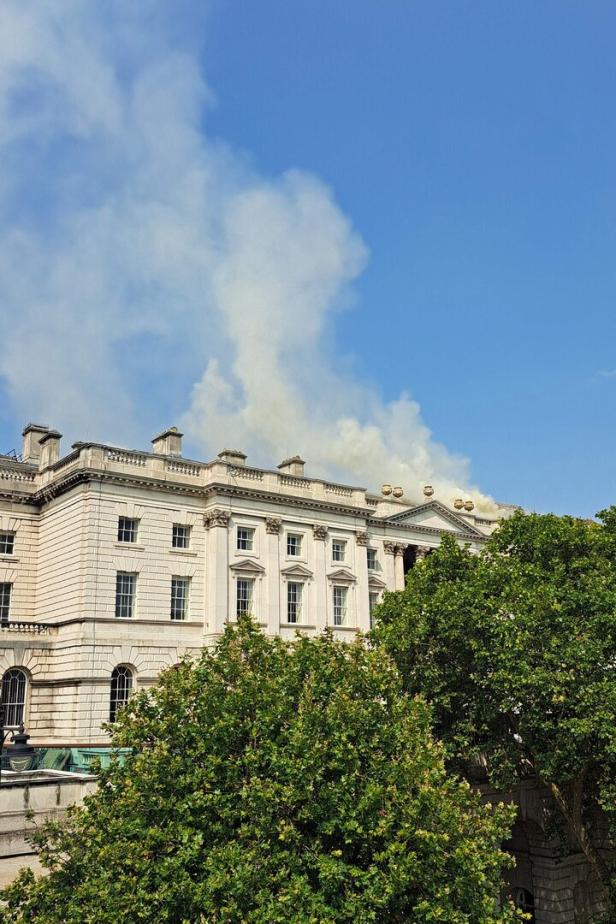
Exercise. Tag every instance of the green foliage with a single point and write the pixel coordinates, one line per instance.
(273, 783)
(515, 649)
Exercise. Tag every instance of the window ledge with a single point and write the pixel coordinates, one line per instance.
(296, 625)
(8, 557)
(188, 552)
(129, 545)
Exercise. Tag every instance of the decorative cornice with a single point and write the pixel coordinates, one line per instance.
(248, 566)
(273, 525)
(297, 571)
(216, 518)
(319, 531)
(342, 576)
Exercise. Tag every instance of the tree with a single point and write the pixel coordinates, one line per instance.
(273, 783)
(515, 648)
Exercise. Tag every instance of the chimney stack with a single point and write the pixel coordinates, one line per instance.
(292, 466)
(50, 448)
(31, 447)
(168, 443)
(233, 456)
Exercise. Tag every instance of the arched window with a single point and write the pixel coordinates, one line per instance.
(121, 686)
(14, 696)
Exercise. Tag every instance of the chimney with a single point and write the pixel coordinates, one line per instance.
(31, 448)
(233, 456)
(50, 448)
(292, 466)
(168, 443)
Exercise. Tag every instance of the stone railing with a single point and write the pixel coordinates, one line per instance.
(241, 471)
(183, 468)
(338, 489)
(126, 457)
(28, 628)
(289, 481)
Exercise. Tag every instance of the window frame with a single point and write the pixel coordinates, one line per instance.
(116, 703)
(176, 599)
(125, 530)
(297, 587)
(373, 602)
(180, 541)
(339, 555)
(247, 600)
(372, 560)
(298, 538)
(120, 603)
(16, 679)
(7, 539)
(340, 609)
(6, 599)
(250, 538)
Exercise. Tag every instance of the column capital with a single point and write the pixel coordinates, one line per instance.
(319, 531)
(389, 548)
(216, 518)
(273, 525)
(420, 552)
(361, 538)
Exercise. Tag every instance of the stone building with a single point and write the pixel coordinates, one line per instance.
(114, 563)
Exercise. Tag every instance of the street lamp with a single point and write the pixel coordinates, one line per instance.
(21, 753)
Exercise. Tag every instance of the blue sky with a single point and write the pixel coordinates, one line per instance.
(446, 234)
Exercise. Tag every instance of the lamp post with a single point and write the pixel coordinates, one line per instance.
(21, 753)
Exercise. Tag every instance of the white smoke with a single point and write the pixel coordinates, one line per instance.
(139, 231)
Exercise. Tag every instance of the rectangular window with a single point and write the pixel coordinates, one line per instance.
(245, 587)
(338, 550)
(373, 600)
(294, 602)
(294, 544)
(180, 537)
(126, 583)
(179, 597)
(127, 529)
(5, 603)
(7, 543)
(340, 605)
(245, 538)
(372, 562)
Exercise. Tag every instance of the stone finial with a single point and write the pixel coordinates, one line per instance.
(319, 531)
(273, 525)
(361, 538)
(216, 518)
(31, 446)
(168, 443)
(293, 466)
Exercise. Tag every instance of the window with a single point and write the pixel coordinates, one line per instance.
(294, 602)
(179, 597)
(13, 696)
(121, 686)
(5, 603)
(340, 608)
(372, 562)
(180, 537)
(294, 544)
(245, 538)
(125, 594)
(245, 587)
(373, 599)
(7, 543)
(338, 550)
(127, 529)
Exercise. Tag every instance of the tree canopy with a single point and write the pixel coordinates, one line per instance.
(273, 783)
(515, 649)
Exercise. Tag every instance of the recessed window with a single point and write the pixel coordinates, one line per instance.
(5, 603)
(340, 605)
(126, 584)
(294, 601)
(180, 536)
(294, 545)
(338, 550)
(13, 696)
(244, 596)
(245, 539)
(121, 687)
(179, 597)
(373, 600)
(372, 560)
(7, 543)
(127, 529)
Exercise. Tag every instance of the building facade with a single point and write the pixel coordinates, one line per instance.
(115, 563)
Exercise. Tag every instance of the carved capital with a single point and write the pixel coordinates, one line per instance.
(216, 518)
(390, 548)
(361, 538)
(401, 548)
(273, 525)
(319, 531)
(420, 552)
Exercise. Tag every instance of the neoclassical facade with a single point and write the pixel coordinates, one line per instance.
(115, 563)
